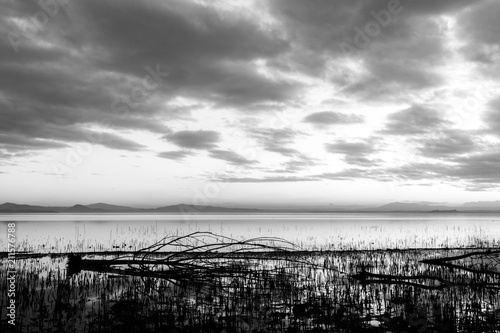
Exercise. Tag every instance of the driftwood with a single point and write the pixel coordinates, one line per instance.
(482, 267)
(479, 268)
(199, 257)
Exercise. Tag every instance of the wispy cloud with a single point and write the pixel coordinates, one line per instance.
(231, 157)
(276, 140)
(274, 179)
(175, 155)
(327, 118)
(194, 139)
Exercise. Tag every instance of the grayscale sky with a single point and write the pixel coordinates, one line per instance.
(286, 102)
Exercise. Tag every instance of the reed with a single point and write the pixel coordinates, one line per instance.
(203, 282)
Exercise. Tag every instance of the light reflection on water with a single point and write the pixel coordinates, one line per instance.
(96, 232)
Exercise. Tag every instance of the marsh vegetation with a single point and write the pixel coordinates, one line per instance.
(204, 282)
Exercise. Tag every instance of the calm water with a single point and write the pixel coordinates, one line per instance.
(89, 232)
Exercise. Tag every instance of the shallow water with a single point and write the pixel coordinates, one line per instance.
(308, 291)
(334, 231)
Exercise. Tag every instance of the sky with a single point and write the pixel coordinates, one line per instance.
(252, 103)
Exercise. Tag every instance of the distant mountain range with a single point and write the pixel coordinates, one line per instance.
(410, 207)
(106, 208)
(480, 206)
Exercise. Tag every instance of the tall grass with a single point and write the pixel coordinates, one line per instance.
(267, 286)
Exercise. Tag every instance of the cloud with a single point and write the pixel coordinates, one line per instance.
(272, 147)
(7, 155)
(213, 60)
(299, 162)
(194, 139)
(276, 140)
(350, 148)
(79, 71)
(329, 118)
(19, 142)
(481, 168)
(475, 171)
(480, 33)
(492, 116)
(101, 71)
(175, 155)
(415, 120)
(401, 57)
(231, 157)
(28, 130)
(408, 172)
(114, 141)
(348, 174)
(361, 160)
(355, 153)
(273, 179)
(447, 144)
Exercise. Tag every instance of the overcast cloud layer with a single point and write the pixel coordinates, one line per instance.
(257, 91)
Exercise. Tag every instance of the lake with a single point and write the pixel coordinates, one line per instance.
(444, 290)
(332, 231)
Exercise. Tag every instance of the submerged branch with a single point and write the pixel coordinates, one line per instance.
(489, 255)
(481, 265)
(199, 257)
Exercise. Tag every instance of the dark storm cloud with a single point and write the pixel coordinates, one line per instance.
(330, 118)
(408, 44)
(175, 155)
(415, 120)
(194, 139)
(179, 32)
(115, 64)
(231, 157)
(60, 91)
(403, 56)
(208, 52)
(480, 32)
(402, 59)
